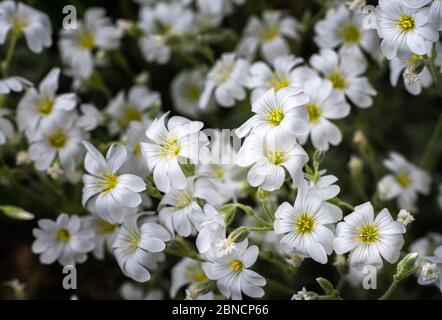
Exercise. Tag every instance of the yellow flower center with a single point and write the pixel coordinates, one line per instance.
(314, 112)
(63, 235)
(170, 149)
(57, 139)
(275, 157)
(406, 23)
(218, 172)
(46, 106)
(137, 150)
(86, 41)
(368, 233)
(305, 223)
(414, 58)
(192, 92)
(130, 114)
(108, 182)
(236, 265)
(351, 34)
(275, 116)
(337, 80)
(269, 32)
(195, 274)
(279, 81)
(103, 227)
(19, 24)
(184, 199)
(403, 180)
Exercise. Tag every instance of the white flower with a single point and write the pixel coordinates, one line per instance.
(22, 19)
(91, 117)
(6, 127)
(302, 295)
(269, 35)
(14, 84)
(325, 103)
(180, 138)
(343, 28)
(286, 71)
(405, 217)
(186, 90)
(134, 107)
(423, 81)
(406, 182)
(306, 225)
(105, 234)
(426, 245)
(57, 140)
(65, 240)
(403, 30)
(22, 158)
(368, 238)
(54, 171)
(188, 272)
(38, 108)
(277, 115)
(211, 12)
(270, 160)
(346, 75)
(327, 191)
(160, 22)
(77, 45)
(211, 229)
(135, 163)
(429, 273)
(226, 80)
(110, 194)
(434, 13)
(138, 247)
(233, 275)
(179, 209)
(129, 291)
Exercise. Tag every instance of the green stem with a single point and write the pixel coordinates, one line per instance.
(390, 290)
(260, 229)
(427, 160)
(9, 54)
(341, 203)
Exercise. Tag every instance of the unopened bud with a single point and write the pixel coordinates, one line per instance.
(406, 267)
(318, 157)
(239, 234)
(355, 164)
(360, 139)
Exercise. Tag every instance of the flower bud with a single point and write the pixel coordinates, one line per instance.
(239, 235)
(406, 266)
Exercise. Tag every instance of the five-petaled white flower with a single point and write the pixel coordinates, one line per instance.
(66, 240)
(232, 273)
(368, 238)
(180, 138)
(139, 246)
(285, 71)
(423, 78)
(343, 29)
(179, 209)
(211, 229)
(39, 107)
(325, 103)
(434, 14)
(307, 224)
(269, 35)
(404, 30)
(346, 75)
(270, 160)
(226, 80)
(57, 141)
(406, 182)
(188, 272)
(21, 19)
(110, 194)
(105, 234)
(278, 114)
(77, 45)
(132, 108)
